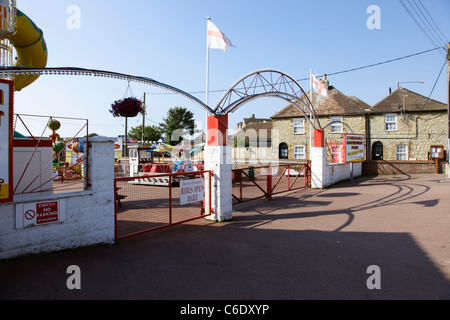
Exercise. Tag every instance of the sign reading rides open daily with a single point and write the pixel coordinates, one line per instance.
(6, 140)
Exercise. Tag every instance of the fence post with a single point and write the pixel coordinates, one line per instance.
(269, 184)
(170, 199)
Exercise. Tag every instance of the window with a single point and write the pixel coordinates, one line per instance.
(299, 152)
(336, 127)
(299, 126)
(391, 122)
(402, 152)
(283, 151)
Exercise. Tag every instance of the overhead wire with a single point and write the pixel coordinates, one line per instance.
(328, 74)
(433, 37)
(445, 38)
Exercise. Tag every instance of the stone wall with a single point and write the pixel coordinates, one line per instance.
(284, 127)
(416, 130)
(384, 167)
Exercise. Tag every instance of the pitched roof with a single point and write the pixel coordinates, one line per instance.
(414, 102)
(336, 104)
(258, 126)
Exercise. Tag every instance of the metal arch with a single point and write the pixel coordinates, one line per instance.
(260, 83)
(290, 99)
(12, 71)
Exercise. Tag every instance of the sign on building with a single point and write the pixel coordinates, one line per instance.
(6, 141)
(40, 213)
(354, 146)
(191, 191)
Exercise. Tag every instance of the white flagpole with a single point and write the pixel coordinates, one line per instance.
(207, 86)
(310, 113)
(207, 68)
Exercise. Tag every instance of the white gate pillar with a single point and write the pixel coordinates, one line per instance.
(218, 159)
(319, 172)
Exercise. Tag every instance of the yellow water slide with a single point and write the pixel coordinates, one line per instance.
(30, 47)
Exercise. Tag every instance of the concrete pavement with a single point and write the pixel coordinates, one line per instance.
(313, 244)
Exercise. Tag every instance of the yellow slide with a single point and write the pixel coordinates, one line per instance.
(30, 47)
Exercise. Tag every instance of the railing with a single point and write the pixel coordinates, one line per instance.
(46, 162)
(151, 202)
(264, 181)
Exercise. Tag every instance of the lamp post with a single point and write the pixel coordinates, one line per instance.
(398, 83)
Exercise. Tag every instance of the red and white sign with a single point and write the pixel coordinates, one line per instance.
(354, 146)
(40, 213)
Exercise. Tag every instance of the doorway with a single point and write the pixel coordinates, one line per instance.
(377, 151)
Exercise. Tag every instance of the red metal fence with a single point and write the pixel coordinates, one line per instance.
(151, 202)
(49, 154)
(263, 181)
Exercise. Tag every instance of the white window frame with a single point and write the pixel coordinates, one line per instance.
(336, 127)
(389, 122)
(299, 124)
(300, 155)
(401, 154)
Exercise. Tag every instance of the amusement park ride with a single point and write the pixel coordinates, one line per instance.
(20, 34)
(143, 162)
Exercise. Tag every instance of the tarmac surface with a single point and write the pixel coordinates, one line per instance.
(302, 245)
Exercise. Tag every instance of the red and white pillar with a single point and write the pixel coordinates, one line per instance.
(319, 177)
(218, 160)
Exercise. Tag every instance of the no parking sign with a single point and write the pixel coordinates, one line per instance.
(39, 213)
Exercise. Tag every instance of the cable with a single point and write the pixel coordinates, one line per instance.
(437, 38)
(445, 38)
(384, 62)
(434, 86)
(419, 25)
(328, 74)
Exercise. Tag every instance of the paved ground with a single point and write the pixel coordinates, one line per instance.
(314, 244)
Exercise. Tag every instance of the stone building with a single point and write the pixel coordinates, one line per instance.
(293, 130)
(252, 141)
(404, 125)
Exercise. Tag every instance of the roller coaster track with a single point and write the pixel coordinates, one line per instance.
(68, 71)
(258, 84)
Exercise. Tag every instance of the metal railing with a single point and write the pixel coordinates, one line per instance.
(151, 202)
(264, 181)
(45, 162)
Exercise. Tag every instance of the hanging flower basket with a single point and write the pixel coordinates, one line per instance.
(128, 107)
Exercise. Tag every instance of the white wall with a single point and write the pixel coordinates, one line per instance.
(89, 216)
(324, 174)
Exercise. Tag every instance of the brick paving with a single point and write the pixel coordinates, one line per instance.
(306, 244)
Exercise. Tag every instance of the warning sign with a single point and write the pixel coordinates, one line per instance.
(47, 212)
(39, 213)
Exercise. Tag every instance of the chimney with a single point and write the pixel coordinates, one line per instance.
(390, 90)
(253, 116)
(325, 81)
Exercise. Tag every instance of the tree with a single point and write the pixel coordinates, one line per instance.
(179, 122)
(151, 133)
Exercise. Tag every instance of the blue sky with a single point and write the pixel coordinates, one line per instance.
(166, 41)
